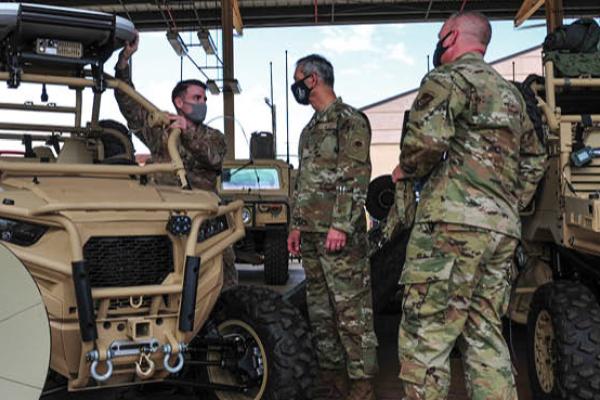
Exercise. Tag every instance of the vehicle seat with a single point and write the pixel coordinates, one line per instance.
(44, 153)
(76, 151)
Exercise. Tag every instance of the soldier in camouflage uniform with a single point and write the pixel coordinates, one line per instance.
(329, 218)
(202, 148)
(468, 132)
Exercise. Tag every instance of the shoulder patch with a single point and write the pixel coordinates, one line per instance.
(423, 101)
(358, 146)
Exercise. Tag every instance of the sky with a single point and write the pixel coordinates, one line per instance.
(371, 63)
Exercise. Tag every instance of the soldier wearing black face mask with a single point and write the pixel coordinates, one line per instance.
(469, 139)
(440, 50)
(202, 148)
(329, 218)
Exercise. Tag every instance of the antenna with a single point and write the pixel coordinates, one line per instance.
(513, 71)
(269, 102)
(273, 121)
(287, 110)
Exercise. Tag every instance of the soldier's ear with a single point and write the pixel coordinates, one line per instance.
(315, 79)
(451, 38)
(178, 102)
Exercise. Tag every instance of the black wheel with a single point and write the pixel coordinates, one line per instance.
(276, 257)
(380, 196)
(563, 329)
(280, 341)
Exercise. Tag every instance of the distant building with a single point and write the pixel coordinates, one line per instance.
(386, 116)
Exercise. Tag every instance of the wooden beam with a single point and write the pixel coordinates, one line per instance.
(554, 14)
(238, 24)
(528, 8)
(228, 74)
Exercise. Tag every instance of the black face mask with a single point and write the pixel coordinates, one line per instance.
(439, 51)
(300, 91)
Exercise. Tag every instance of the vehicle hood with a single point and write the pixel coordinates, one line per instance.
(28, 193)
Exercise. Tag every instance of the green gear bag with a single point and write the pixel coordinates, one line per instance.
(574, 65)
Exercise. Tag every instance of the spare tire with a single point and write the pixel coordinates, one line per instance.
(380, 196)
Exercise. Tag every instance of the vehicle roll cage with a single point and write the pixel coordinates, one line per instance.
(155, 118)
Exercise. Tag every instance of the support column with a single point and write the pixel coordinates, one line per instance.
(228, 76)
(554, 14)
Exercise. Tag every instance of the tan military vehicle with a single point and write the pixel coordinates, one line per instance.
(107, 278)
(264, 186)
(558, 287)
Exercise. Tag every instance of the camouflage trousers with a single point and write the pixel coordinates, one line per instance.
(230, 273)
(457, 287)
(338, 294)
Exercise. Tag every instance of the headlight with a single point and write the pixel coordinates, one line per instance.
(246, 216)
(274, 209)
(20, 233)
(212, 227)
(179, 225)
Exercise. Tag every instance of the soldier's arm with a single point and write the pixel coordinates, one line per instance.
(296, 218)
(532, 164)
(430, 125)
(208, 147)
(132, 111)
(354, 172)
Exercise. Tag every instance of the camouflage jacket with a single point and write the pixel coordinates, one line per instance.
(334, 171)
(468, 128)
(202, 149)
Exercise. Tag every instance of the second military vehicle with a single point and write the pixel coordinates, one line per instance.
(264, 186)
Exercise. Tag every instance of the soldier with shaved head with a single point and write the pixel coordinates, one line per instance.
(469, 139)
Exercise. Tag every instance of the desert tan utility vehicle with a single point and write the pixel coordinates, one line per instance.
(264, 186)
(558, 288)
(107, 277)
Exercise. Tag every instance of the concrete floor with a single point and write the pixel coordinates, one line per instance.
(386, 326)
(387, 384)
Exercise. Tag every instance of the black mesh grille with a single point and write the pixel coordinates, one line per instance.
(128, 260)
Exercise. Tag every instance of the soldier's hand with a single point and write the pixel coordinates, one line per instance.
(293, 242)
(397, 174)
(336, 240)
(178, 122)
(128, 50)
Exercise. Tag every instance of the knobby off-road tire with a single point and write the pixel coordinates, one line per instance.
(276, 257)
(563, 329)
(281, 334)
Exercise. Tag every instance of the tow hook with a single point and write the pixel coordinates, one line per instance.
(94, 357)
(167, 350)
(144, 367)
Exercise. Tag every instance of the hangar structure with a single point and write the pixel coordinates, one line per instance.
(156, 15)
(176, 16)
